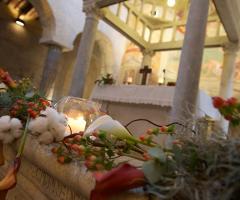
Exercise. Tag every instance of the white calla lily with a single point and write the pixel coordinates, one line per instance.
(112, 127)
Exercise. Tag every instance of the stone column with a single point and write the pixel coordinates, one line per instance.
(51, 68)
(227, 77)
(147, 57)
(186, 92)
(226, 85)
(59, 85)
(85, 49)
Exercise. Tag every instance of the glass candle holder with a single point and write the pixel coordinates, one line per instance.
(79, 112)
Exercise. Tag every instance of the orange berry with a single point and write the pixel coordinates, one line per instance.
(149, 131)
(99, 166)
(142, 137)
(61, 159)
(146, 156)
(89, 164)
(54, 150)
(77, 137)
(92, 158)
(163, 129)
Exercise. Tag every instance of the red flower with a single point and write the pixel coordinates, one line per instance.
(228, 117)
(218, 102)
(120, 179)
(232, 101)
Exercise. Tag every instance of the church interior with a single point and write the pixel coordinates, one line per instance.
(75, 70)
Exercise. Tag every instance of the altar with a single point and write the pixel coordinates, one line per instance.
(129, 102)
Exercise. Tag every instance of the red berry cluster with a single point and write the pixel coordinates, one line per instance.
(77, 146)
(23, 107)
(148, 136)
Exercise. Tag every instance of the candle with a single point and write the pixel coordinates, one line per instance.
(77, 124)
(160, 80)
(129, 80)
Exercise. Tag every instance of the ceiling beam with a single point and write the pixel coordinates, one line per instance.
(177, 45)
(105, 3)
(123, 28)
(229, 14)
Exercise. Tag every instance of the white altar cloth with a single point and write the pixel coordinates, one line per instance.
(137, 94)
(151, 95)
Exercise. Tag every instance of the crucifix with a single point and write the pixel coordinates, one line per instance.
(145, 71)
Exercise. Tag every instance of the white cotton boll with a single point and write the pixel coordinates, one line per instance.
(15, 124)
(52, 115)
(5, 123)
(16, 133)
(58, 131)
(43, 112)
(8, 138)
(46, 138)
(62, 119)
(38, 125)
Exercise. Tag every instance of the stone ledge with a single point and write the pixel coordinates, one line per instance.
(42, 177)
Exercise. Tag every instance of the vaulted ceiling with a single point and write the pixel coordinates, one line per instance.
(159, 24)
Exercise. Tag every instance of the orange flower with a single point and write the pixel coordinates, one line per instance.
(6, 79)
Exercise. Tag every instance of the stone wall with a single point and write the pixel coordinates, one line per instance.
(20, 51)
(22, 55)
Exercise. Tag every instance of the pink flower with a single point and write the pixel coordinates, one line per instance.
(120, 179)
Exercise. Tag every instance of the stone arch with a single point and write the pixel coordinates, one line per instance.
(58, 28)
(101, 62)
(104, 51)
(105, 45)
(47, 19)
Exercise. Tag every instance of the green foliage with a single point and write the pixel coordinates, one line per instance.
(105, 80)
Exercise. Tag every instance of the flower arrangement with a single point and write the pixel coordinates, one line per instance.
(106, 80)
(169, 166)
(23, 110)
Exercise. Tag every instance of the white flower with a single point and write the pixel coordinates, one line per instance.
(112, 127)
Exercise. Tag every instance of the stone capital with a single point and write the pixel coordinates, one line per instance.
(231, 48)
(148, 52)
(91, 9)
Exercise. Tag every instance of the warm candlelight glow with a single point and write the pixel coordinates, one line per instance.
(129, 80)
(171, 3)
(77, 124)
(160, 80)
